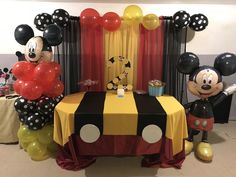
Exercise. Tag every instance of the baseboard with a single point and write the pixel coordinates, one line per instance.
(232, 118)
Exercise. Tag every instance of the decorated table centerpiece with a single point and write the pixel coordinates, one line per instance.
(156, 88)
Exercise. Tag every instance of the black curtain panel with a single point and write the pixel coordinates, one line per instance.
(174, 46)
(69, 57)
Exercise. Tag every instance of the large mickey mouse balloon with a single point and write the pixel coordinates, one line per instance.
(205, 82)
(38, 48)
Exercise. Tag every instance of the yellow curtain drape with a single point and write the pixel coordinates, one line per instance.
(123, 42)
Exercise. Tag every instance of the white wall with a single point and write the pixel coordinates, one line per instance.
(219, 36)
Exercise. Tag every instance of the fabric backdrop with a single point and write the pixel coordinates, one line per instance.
(68, 55)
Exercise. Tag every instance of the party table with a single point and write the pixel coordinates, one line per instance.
(92, 124)
(9, 121)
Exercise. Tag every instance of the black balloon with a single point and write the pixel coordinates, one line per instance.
(22, 118)
(45, 106)
(187, 63)
(226, 63)
(24, 106)
(23, 33)
(53, 35)
(61, 17)
(35, 121)
(181, 19)
(58, 98)
(198, 22)
(42, 20)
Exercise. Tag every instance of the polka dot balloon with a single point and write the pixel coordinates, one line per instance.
(61, 17)
(45, 106)
(198, 22)
(181, 19)
(42, 20)
(35, 121)
(22, 118)
(24, 106)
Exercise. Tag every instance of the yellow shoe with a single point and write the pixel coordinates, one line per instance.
(204, 152)
(188, 145)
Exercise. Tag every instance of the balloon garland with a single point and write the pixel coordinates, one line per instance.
(114, 84)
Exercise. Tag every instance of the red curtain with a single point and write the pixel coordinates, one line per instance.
(150, 55)
(92, 57)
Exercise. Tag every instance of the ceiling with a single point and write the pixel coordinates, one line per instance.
(145, 1)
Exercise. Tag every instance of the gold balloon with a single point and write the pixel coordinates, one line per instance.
(24, 145)
(133, 13)
(25, 135)
(37, 151)
(45, 135)
(151, 21)
(52, 148)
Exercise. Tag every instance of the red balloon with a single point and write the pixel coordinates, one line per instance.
(23, 70)
(89, 17)
(57, 68)
(31, 90)
(111, 21)
(56, 89)
(18, 86)
(44, 73)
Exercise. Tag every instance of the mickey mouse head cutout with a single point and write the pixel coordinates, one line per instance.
(38, 48)
(205, 82)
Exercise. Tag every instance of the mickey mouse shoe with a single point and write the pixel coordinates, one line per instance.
(204, 152)
(188, 145)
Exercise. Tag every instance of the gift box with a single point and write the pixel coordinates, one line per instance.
(156, 88)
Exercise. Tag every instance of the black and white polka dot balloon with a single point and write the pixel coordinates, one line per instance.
(181, 19)
(35, 121)
(58, 98)
(22, 118)
(198, 22)
(42, 20)
(61, 17)
(45, 106)
(24, 106)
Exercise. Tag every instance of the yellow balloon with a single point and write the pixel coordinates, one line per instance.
(151, 21)
(37, 151)
(52, 147)
(45, 135)
(133, 13)
(26, 135)
(24, 145)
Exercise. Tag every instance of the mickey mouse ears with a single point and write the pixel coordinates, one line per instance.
(23, 33)
(187, 63)
(225, 63)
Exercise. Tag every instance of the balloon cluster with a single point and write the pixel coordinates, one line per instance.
(133, 14)
(59, 17)
(35, 114)
(38, 144)
(196, 22)
(111, 21)
(33, 81)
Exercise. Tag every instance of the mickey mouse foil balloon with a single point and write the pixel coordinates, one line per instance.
(205, 82)
(37, 48)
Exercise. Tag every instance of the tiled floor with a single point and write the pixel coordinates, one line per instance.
(14, 162)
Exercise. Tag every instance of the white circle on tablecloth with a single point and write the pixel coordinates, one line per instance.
(151, 133)
(89, 133)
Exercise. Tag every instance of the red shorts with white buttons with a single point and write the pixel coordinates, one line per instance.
(200, 124)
